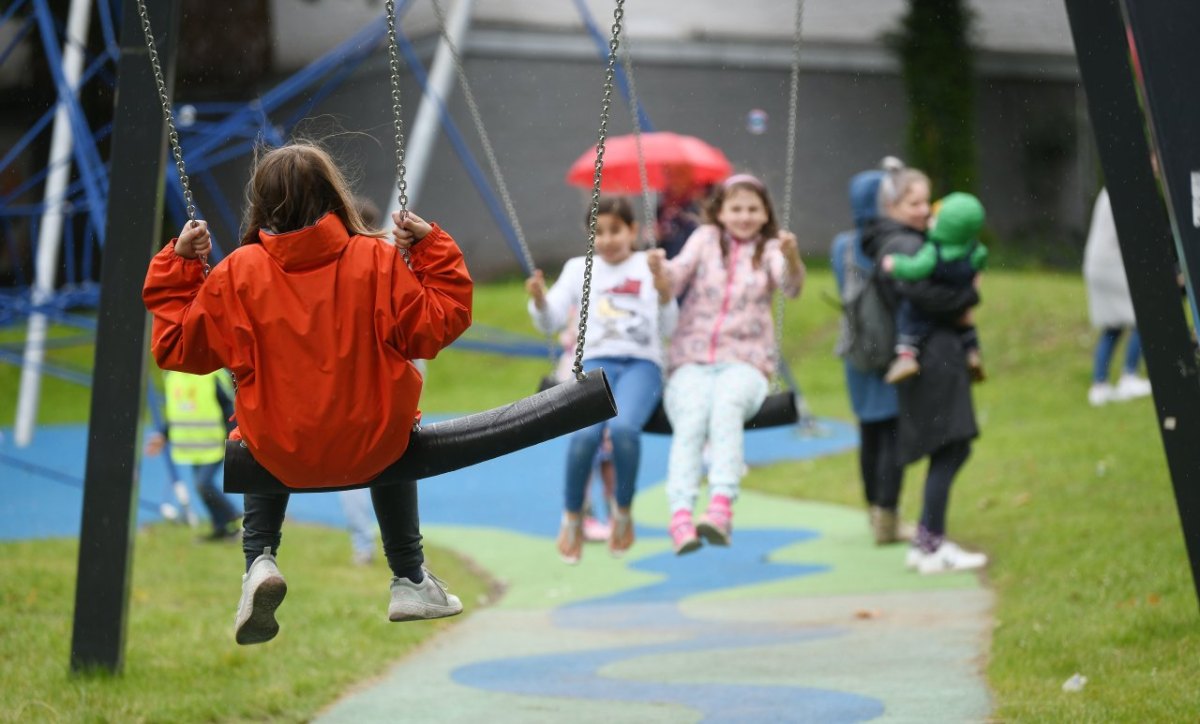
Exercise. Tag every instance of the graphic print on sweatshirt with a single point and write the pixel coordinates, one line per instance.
(620, 315)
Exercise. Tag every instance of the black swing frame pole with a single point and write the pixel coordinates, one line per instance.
(134, 228)
(1146, 230)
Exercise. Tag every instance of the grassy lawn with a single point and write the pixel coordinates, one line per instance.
(1073, 504)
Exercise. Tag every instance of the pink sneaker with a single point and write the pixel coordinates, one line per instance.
(683, 533)
(716, 526)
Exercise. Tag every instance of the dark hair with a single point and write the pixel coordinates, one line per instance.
(618, 206)
(293, 186)
(712, 208)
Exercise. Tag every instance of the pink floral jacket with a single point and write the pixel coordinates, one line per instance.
(726, 315)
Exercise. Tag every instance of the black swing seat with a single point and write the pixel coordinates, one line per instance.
(446, 446)
(777, 410)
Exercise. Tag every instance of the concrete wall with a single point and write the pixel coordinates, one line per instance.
(541, 114)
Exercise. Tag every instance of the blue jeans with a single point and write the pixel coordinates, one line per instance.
(219, 508)
(637, 387)
(1106, 346)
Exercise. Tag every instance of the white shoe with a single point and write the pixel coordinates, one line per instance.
(263, 589)
(1130, 387)
(1100, 393)
(422, 601)
(949, 558)
(912, 559)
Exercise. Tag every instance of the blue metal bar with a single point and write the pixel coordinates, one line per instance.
(224, 211)
(370, 35)
(11, 11)
(478, 178)
(111, 46)
(601, 42)
(28, 138)
(82, 147)
(325, 89)
(49, 368)
(25, 28)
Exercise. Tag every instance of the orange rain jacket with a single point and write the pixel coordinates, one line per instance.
(319, 327)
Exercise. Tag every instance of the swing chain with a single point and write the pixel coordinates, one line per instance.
(169, 117)
(649, 231)
(397, 114)
(484, 140)
(606, 103)
(790, 168)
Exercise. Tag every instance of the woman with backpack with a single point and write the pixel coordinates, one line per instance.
(874, 402)
(937, 416)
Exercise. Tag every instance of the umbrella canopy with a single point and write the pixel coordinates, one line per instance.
(671, 159)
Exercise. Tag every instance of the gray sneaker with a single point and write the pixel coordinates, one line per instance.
(420, 601)
(263, 589)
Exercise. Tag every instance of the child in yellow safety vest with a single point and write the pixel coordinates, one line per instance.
(198, 408)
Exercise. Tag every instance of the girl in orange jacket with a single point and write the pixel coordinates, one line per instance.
(319, 318)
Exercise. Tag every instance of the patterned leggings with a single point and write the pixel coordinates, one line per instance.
(709, 403)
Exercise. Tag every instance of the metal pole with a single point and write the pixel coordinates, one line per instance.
(50, 234)
(439, 85)
(134, 225)
(1144, 230)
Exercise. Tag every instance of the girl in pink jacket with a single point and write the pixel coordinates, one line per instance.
(723, 351)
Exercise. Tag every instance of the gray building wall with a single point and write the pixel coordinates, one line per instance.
(542, 113)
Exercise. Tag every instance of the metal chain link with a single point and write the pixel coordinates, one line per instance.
(484, 140)
(789, 172)
(397, 114)
(169, 117)
(649, 219)
(606, 103)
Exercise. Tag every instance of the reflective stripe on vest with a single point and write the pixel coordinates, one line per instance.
(195, 419)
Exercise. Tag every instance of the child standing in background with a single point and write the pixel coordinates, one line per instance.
(632, 309)
(723, 352)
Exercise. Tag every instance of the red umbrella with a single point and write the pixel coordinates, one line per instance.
(670, 157)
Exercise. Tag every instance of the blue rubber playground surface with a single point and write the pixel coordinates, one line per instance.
(768, 629)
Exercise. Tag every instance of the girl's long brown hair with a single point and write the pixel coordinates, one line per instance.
(769, 231)
(293, 186)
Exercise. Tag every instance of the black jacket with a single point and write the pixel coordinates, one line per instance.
(935, 406)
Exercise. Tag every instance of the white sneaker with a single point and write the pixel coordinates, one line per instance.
(1130, 387)
(949, 558)
(263, 589)
(912, 559)
(420, 601)
(1100, 393)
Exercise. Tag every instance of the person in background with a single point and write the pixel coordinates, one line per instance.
(937, 413)
(1110, 308)
(197, 420)
(874, 402)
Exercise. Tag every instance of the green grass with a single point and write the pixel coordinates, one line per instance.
(180, 661)
(1073, 504)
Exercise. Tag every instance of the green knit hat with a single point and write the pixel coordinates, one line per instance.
(959, 218)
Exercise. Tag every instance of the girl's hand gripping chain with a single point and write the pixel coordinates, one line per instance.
(655, 259)
(535, 287)
(409, 229)
(791, 249)
(194, 242)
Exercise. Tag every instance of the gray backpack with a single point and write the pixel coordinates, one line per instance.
(868, 334)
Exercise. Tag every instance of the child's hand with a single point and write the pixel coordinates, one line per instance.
(194, 240)
(409, 229)
(967, 319)
(655, 259)
(789, 245)
(155, 444)
(535, 286)
(888, 264)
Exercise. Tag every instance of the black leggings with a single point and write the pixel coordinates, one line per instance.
(879, 464)
(944, 464)
(395, 508)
